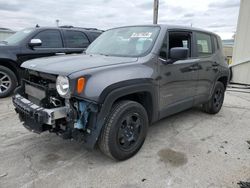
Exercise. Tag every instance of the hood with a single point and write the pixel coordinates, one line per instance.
(68, 64)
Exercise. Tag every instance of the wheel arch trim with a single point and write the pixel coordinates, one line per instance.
(10, 64)
(216, 80)
(108, 98)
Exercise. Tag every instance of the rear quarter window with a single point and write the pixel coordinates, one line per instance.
(203, 44)
(95, 35)
(76, 39)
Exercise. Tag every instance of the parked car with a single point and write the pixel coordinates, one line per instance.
(129, 78)
(37, 42)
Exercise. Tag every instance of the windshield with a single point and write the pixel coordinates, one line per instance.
(18, 37)
(127, 41)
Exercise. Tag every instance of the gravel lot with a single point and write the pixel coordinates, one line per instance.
(190, 149)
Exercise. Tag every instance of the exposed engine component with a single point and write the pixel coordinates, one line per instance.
(40, 88)
(56, 102)
(82, 107)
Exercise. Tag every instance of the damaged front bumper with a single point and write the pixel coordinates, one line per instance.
(37, 118)
(78, 119)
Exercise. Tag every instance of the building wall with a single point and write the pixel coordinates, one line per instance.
(228, 49)
(241, 52)
(228, 52)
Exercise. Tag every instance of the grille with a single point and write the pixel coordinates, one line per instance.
(40, 89)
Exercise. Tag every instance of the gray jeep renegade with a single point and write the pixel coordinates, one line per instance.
(129, 78)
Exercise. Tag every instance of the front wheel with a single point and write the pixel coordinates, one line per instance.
(124, 131)
(214, 105)
(8, 81)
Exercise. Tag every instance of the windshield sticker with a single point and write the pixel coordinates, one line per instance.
(141, 35)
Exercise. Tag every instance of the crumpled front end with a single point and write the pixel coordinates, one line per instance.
(35, 117)
(41, 108)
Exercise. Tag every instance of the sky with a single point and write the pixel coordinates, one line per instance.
(219, 16)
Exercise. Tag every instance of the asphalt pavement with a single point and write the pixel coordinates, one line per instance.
(188, 150)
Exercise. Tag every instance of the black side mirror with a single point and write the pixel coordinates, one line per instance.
(178, 53)
(35, 42)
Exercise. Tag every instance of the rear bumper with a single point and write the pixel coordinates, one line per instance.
(34, 116)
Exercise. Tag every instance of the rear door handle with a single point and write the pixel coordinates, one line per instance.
(194, 67)
(191, 68)
(215, 66)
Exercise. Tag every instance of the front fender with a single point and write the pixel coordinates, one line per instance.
(110, 95)
(9, 53)
(103, 79)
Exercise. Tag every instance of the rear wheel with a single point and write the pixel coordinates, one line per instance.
(124, 131)
(214, 105)
(8, 81)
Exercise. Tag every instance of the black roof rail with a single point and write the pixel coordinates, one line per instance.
(66, 26)
(70, 26)
(6, 29)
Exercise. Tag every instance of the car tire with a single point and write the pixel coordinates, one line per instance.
(214, 105)
(124, 131)
(8, 81)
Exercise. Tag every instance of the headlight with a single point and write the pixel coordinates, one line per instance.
(62, 86)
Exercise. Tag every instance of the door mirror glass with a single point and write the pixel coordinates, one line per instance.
(178, 53)
(35, 42)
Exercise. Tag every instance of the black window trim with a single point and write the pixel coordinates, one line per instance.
(215, 43)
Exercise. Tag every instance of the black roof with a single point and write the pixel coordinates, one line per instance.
(80, 28)
(70, 27)
(186, 28)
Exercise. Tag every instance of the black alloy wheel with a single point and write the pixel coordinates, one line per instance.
(215, 103)
(124, 131)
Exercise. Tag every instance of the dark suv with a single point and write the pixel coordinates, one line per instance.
(129, 78)
(38, 42)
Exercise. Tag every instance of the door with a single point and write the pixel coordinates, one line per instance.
(51, 45)
(206, 53)
(178, 79)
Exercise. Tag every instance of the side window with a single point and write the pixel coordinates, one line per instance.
(204, 44)
(76, 39)
(176, 39)
(95, 35)
(50, 39)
